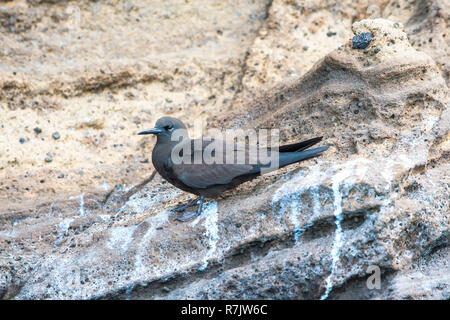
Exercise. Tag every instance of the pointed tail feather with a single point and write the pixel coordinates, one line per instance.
(299, 146)
(292, 157)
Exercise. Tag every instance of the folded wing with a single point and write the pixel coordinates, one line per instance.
(204, 175)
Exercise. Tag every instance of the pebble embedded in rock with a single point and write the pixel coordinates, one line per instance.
(22, 140)
(48, 159)
(37, 130)
(56, 135)
(273, 205)
(361, 41)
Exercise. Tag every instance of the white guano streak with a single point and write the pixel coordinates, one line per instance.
(210, 213)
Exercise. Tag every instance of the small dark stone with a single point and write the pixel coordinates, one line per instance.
(22, 140)
(376, 50)
(305, 48)
(362, 41)
(331, 33)
(61, 176)
(356, 111)
(48, 159)
(56, 135)
(37, 130)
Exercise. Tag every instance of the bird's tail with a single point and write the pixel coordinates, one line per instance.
(292, 157)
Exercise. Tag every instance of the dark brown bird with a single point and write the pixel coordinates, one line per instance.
(206, 179)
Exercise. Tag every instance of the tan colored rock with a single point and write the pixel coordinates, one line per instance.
(100, 72)
(299, 33)
(426, 23)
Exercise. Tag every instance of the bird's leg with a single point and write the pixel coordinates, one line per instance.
(200, 205)
(185, 206)
(189, 215)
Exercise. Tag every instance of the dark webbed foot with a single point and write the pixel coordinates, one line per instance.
(183, 207)
(189, 215)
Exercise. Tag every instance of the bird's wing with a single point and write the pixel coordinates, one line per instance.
(203, 175)
(206, 175)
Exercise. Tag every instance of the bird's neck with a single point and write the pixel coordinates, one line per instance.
(163, 150)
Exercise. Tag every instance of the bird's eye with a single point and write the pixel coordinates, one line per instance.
(169, 128)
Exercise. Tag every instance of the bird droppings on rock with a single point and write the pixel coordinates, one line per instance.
(392, 236)
(362, 41)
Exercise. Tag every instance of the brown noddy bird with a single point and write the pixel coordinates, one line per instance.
(211, 179)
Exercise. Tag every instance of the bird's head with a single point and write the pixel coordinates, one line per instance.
(165, 127)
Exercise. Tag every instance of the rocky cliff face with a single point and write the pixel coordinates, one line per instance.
(83, 216)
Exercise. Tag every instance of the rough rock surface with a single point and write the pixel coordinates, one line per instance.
(94, 222)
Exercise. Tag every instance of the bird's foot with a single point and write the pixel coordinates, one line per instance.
(188, 215)
(183, 207)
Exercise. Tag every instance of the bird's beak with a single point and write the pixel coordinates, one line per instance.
(152, 131)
